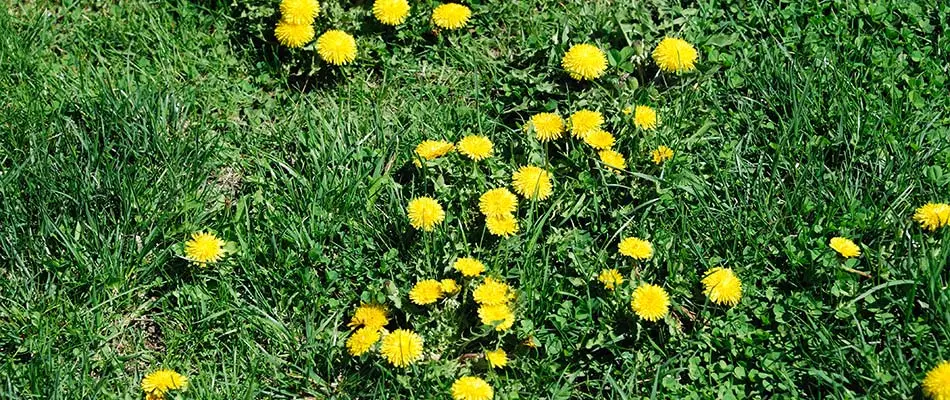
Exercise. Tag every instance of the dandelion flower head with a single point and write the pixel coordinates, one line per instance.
(612, 160)
(336, 47)
(471, 388)
(475, 147)
(499, 315)
(372, 316)
(497, 202)
(585, 62)
(432, 149)
(425, 213)
(637, 248)
(492, 292)
(391, 12)
(675, 55)
(449, 286)
(845, 247)
(937, 382)
(451, 16)
(503, 225)
(162, 381)
(402, 347)
(644, 117)
(611, 278)
(497, 358)
(532, 182)
(932, 216)
(469, 267)
(600, 139)
(722, 286)
(361, 341)
(293, 35)
(299, 12)
(584, 122)
(650, 302)
(547, 126)
(661, 154)
(426, 292)
(204, 248)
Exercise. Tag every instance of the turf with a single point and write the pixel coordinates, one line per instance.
(126, 125)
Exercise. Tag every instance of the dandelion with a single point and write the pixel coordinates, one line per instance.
(937, 382)
(547, 126)
(503, 225)
(391, 12)
(645, 118)
(204, 248)
(471, 388)
(293, 35)
(497, 202)
(584, 122)
(675, 55)
(475, 147)
(449, 286)
(532, 182)
(451, 16)
(497, 358)
(492, 292)
(299, 12)
(845, 247)
(585, 62)
(336, 47)
(426, 292)
(600, 139)
(469, 267)
(157, 383)
(661, 154)
(650, 302)
(611, 278)
(361, 341)
(499, 315)
(933, 215)
(635, 247)
(401, 347)
(722, 286)
(627, 110)
(432, 149)
(424, 213)
(370, 316)
(612, 160)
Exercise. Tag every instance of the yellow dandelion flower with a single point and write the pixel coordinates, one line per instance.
(391, 12)
(661, 154)
(293, 35)
(722, 286)
(650, 302)
(933, 215)
(845, 247)
(204, 248)
(497, 202)
(425, 213)
(675, 55)
(497, 358)
(370, 316)
(336, 47)
(451, 16)
(162, 381)
(584, 122)
(299, 12)
(637, 248)
(361, 341)
(401, 348)
(600, 139)
(532, 182)
(449, 286)
(469, 267)
(645, 117)
(937, 382)
(499, 315)
(492, 292)
(627, 110)
(503, 225)
(585, 62)
(432, 149)
(475, 147)
(612, 160)
(547, 126)
(611, 278)
(426, 292)
(471, 388)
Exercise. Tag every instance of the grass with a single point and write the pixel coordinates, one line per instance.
(125, 125)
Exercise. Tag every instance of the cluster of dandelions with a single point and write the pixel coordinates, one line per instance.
(586, 62)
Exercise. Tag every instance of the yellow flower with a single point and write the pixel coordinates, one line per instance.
(336, 47)
(600, 139)
(933, 215)
(475, 147)
(370, 316)
(424, 213)
(204, 248)
(492, 292)
(645, 117)
(391, 12)
(650, 302)
(471, 388)
(637, 248)
(661, 154)
(497, 202)
(937, 382)
(401, 347)
(585, 62)
(293, 35)
(449, 286)
(426, 292)
(469, 267)
(627, 110)
(584, 122)
(722, 286)
(845, 247)
(497, 358)
(499, 315)
(612, 160)
(675, 55)
(611, 278)
(162, 381)
(361, 341)
(503, 225)
(532, 182)
(451, 16)
(299, 12)
(547, 126)
(432, 149)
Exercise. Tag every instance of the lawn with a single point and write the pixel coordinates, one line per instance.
(128, 125)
